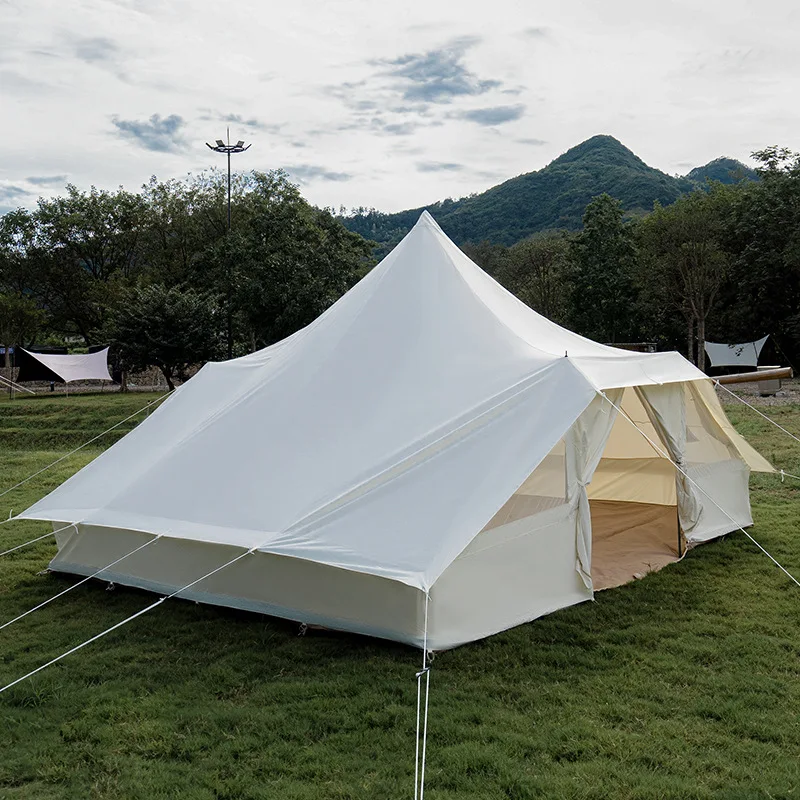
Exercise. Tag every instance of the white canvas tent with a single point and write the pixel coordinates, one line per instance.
(428, 443)
(79, 367)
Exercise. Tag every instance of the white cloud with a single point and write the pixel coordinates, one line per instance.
(109, 92)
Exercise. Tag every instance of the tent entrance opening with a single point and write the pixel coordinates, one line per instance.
(633, 502)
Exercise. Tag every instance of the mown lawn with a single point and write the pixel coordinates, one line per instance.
(681, 685)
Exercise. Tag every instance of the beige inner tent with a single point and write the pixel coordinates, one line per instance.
(633, 499)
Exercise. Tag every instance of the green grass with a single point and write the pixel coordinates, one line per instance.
(681, 685)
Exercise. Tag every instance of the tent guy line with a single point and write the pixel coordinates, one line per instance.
(80, 582)
(697, 485)
(85, 444)
(126, 620)
(419, 784)
(16, 386)
(768, 419)
(38, 538)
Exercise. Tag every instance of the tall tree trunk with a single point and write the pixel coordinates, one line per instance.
(690, 340)
(701, 343)
(167, 373)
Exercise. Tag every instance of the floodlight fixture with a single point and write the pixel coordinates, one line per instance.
(228, 149)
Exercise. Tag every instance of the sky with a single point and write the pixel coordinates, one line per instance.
(383, 105)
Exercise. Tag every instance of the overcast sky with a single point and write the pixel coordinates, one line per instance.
(391, 105)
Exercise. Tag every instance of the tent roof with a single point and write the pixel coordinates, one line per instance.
(68, 368)
(381, 438)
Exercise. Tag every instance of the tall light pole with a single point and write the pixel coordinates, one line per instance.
(221, 147)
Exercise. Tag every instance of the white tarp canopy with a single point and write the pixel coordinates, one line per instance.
(735, 355)
(89, 367)
(373, 446)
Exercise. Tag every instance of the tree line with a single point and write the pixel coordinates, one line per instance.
(157, 274)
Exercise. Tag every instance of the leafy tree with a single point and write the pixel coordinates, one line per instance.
(489, 257)
(603, 292)
(20, 320)
(765, 242)
(286, 261)
(181, 219)
(82, 247)
(686, 263)
(539, 270)
(17, 231)
(164, 327)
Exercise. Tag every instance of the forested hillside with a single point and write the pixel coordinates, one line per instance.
(554, 197)
(724, 170)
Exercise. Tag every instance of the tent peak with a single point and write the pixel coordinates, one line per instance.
(426, 218)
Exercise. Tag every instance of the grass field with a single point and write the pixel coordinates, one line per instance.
(681, 685)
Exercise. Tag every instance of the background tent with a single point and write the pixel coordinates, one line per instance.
(735, 355)
(57, 368)
(429, 456)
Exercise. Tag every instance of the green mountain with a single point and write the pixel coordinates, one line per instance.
(553, 197)
(724, 170)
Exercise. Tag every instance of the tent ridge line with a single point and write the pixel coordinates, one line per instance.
(440, 233)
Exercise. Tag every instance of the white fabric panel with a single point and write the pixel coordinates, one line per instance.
(735, 355)
(507, 576)
(291, 588)
(584, 447)
(726, 498)
(89, 367)
(665, 405)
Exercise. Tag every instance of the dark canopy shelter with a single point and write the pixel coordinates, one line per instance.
(31, 369)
